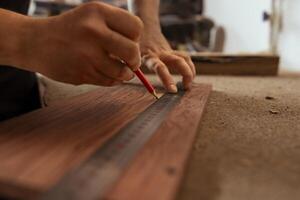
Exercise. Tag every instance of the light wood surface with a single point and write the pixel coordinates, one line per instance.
(37, 149)
(240, 64)
(234, 64)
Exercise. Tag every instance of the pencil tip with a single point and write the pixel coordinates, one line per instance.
(155, 95)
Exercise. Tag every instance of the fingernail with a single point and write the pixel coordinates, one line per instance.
(137, 65)
(127, 74)
(132, 76)
(172, 88)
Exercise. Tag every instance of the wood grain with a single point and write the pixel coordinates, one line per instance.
(226, 64)
(37, 149)
(159, 167)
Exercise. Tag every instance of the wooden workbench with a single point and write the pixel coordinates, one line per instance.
(248, 145)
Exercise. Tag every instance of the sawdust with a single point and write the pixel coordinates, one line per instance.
(269, 98)
(274, 112)
(248, 145)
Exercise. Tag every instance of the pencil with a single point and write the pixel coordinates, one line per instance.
(146, 82)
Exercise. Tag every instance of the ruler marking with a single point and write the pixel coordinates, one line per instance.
(92, 179)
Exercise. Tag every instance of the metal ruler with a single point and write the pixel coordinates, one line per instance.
(92, 179)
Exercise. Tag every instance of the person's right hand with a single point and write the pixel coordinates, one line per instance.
(80, 46)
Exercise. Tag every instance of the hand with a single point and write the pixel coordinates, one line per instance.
(81, 45)
(159, 57)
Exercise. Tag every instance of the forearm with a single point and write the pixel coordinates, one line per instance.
(156, 51)
(147, 10)
(13, 30)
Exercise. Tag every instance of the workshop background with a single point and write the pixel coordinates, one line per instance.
(246, 26)
(247, 144)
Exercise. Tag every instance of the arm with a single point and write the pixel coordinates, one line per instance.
(12, 30)
(148, 11)
(156, 51)
(83, 45)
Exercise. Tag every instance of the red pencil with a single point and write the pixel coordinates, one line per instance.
(146, 83)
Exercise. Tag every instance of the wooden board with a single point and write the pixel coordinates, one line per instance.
(37, 149)
(157, 171)
(226, 64)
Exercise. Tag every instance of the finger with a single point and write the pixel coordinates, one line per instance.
(122, 47)
(124, 23)
(98, 78)
(115, 69)
(188, 60)
(154, 64)
(180, 65)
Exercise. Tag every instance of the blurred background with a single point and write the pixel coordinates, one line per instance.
(229, 26)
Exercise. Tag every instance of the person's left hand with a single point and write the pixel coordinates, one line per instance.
(159, 57)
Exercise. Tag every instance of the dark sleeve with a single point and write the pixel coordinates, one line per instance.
(20, 6)
(18, 88)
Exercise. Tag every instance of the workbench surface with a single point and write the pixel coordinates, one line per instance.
(248, 145)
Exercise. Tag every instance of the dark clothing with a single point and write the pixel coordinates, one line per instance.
(20, 6)
(183, 8)
(18, 88)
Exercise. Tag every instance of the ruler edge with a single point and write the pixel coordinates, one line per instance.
(189, 152)
(188, 155)
(40, 195)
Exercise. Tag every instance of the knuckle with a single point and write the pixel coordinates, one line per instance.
(183, 63)
(137, 28)
(88, 27)
(185, 55)
(186, 72)
(90, 21)
(117, 11)
(140, 24)
(159, 67)
(189, 57)
(108, 36)
(179, 61)
(92, 7)
(188, 75)
(135, 24)
(104, 33)
(133, 54)
(134, 50)
(172, 59)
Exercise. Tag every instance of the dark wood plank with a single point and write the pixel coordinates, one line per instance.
(158, 169)
(38, 148)
(226, 64)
